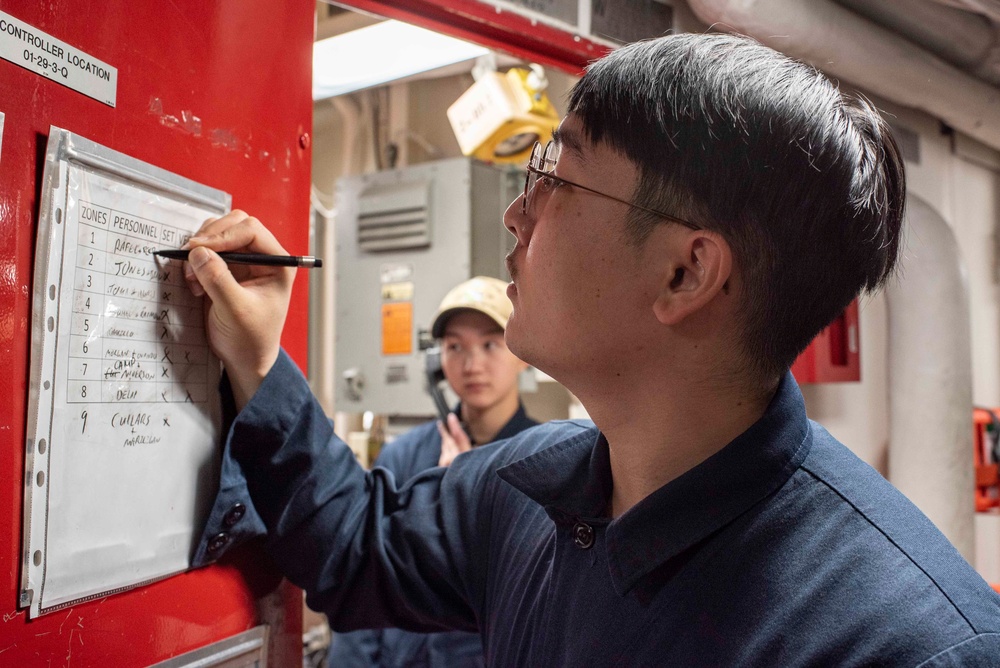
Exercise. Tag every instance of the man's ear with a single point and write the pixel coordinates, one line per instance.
(698, 268)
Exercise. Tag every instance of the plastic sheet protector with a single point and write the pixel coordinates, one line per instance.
(123, 439)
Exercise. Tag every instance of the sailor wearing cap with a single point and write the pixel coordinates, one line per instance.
(469, 326)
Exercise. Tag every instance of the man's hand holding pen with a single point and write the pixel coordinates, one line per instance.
(247, 304)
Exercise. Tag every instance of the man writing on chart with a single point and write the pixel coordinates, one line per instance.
(469, 327)
(708, 207)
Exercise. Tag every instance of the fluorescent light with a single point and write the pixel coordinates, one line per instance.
(380, 53)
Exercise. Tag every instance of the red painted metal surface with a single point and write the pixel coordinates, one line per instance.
(493, 27)
(218, 92)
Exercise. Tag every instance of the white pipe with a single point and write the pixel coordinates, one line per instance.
(930, 377)
(325, 311)
(326, 314)
(851, 48)
(349, 112)
(988, 8)
(960, 37)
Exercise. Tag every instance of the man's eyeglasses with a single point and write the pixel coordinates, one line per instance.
(540, 177)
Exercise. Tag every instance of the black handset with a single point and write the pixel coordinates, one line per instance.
(435, 376)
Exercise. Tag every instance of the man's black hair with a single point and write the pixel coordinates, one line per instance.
(805, 183)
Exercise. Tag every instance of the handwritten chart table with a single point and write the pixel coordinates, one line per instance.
(124, 414)
(137, 334)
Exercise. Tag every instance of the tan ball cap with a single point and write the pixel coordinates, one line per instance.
(483, 293)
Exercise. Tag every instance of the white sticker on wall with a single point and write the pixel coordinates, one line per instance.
(54, 59)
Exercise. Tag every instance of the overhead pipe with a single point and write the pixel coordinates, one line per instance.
(856, 50)
(988, 8)
(966, 40)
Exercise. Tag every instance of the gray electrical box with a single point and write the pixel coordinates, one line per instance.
(404, 238)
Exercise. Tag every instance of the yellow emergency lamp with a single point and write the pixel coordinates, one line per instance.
(502, 115)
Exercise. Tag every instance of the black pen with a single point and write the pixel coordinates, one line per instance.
(306, 261)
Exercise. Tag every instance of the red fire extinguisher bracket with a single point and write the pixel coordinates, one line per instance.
(834, 356)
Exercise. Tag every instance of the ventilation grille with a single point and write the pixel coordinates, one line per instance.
(394, 217)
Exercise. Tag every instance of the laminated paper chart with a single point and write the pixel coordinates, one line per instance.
(137, 334)
(123, 424)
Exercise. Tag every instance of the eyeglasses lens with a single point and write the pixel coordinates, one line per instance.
(542, 161)
(530, 176)
(550, 156)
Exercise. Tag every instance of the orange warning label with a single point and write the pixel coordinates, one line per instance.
(397, 328)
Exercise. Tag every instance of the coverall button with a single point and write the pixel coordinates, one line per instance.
(234, 515)
(218, 541)
(583, 535)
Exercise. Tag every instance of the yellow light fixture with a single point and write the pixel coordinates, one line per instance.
(502, 115)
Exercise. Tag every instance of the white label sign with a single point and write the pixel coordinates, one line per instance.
(54, 59)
